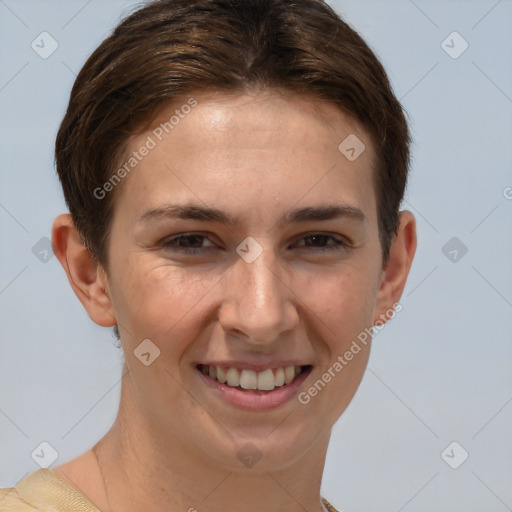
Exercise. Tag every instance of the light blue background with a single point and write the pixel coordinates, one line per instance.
(439, 372)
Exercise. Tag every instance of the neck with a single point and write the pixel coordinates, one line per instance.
(137, 467)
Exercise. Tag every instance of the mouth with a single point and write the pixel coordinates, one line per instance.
(254, 390)
(265, 380)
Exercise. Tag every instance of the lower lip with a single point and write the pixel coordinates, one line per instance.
(255, 400)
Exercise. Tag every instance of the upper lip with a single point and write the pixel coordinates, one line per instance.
(257, 367)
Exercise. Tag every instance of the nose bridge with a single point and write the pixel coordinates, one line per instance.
(256, 300)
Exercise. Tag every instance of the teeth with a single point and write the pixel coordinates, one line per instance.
(279, 377)
(221, 375)
(233, 377)
(289, 374)
(248, 379)
(265, 380)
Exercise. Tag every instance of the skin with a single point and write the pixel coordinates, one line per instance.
(257, 156)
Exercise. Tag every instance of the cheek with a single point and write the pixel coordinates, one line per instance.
(342, 311)
(159, 302)
(162, 302)
(344, 301)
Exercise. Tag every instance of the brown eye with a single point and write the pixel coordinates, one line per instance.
(187, 243)
(318, 242)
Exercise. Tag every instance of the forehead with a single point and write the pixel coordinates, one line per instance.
(219, 146)
(265, 113)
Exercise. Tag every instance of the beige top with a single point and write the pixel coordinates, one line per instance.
(44, 491)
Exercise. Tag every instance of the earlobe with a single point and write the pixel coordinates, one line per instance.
(394, 275)
(85, 275)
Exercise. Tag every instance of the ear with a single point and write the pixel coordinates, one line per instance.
(394, 274)
(87, 278)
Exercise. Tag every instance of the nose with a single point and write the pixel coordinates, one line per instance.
(258, 301)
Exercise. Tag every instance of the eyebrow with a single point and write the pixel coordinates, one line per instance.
(198, 212)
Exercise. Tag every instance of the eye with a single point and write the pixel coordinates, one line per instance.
(192, 243)
(189, 243)
(321, 239)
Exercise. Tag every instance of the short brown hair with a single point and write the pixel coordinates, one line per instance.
(170, 48)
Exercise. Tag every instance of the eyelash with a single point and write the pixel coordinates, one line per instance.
(168, 244)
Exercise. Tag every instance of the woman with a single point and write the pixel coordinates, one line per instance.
(234, 172)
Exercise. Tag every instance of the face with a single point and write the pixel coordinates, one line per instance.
(245, 247)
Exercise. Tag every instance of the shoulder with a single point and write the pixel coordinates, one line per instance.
(42, 491)
(10, 501)
(328, 506)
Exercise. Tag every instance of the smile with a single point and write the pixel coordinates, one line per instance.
(254, 390)
(265, 380)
